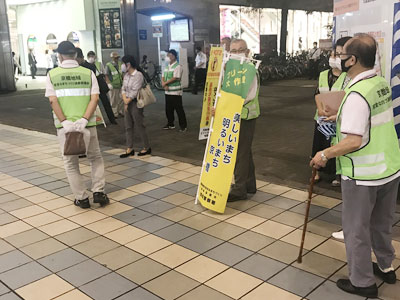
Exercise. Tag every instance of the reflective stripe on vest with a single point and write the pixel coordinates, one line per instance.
(323, 85)
(169, 74)
(252, 109)
(73, 88)
(116, 81)
(380, 157)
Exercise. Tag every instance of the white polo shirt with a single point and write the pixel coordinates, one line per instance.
(355, 120)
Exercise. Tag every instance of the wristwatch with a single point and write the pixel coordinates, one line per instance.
(323, 156)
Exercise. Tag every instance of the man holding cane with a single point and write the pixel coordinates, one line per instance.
(74, 93)
(368, 155)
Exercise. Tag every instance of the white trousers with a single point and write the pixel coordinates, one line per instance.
(71, 165)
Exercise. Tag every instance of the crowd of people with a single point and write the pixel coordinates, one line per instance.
(358, 142)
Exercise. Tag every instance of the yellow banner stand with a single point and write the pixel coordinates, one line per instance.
(210, 90)
(220, 157)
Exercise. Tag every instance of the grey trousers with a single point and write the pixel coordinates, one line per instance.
(134, 119)
(367, 218)
(245, 175)
(75, 178)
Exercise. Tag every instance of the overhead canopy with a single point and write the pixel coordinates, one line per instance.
(160, 10)
(309, 5)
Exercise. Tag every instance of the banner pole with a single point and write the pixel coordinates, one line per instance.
(221, 75)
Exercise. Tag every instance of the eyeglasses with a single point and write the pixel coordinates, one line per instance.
(345, 54)
(236, 51)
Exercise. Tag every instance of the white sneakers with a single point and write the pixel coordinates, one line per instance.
(338, 235)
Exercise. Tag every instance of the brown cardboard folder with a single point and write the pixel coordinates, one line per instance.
(331, 101)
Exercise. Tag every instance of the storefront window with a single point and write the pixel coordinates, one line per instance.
(32, 40)
(51, 41)
(73, 38)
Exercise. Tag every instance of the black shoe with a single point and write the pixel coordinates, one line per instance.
(252, 191)
(234, 198)
(82, 203)
(114, 122)
(389, 277)
(168, 127)
(369, 292)
(127, 154)
(145, 153)
(100, 198)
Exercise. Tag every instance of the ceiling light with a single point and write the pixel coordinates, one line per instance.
(163, 17)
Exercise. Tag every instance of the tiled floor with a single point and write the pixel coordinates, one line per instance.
(152, 242)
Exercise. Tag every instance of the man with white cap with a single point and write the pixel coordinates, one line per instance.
(114, 80)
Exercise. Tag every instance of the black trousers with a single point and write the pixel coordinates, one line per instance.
(107, 107)
(245, 174)
(33, 71)
(174, 103)
(199, 79)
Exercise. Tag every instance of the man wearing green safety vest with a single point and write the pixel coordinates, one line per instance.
(114, 80)
(245, 176)
(73, 93)
(171, 82)
(368, 154)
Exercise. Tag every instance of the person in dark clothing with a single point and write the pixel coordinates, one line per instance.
(32, 63)
(103, 94)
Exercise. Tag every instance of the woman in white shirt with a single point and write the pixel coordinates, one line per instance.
(133, 117)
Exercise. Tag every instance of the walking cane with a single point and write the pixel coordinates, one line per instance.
(310, 192)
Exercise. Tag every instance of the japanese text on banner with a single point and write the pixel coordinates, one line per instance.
(210, 90)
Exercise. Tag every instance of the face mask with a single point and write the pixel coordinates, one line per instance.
(332, 63)
(343, 65)
(124, 69)
(91, 60)
(167, 59)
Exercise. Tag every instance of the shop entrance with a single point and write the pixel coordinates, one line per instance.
(38, 26)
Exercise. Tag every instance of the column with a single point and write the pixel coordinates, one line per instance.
(284, 30)
(7, 82)
(130, 28)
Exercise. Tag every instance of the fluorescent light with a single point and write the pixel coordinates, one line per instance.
(163, 17)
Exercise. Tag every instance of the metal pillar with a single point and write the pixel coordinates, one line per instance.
(7, 81)
(284, 30)
(130, 28)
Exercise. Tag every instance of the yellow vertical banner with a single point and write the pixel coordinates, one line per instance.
(210, 90)
(220, 157)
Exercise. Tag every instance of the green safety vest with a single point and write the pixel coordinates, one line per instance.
(73, 89)
(169, 74)
(323, 85)
(380, 157)
(98, 67)
(251, 109)
(116, 75)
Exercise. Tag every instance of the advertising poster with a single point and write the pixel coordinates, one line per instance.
(110, 28)
(220, 157)
(157, 29)
(210, 90)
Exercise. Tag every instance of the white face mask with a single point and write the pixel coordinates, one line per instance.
(124, 69)
(167, 60)
(91, 60)
(332, 63)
